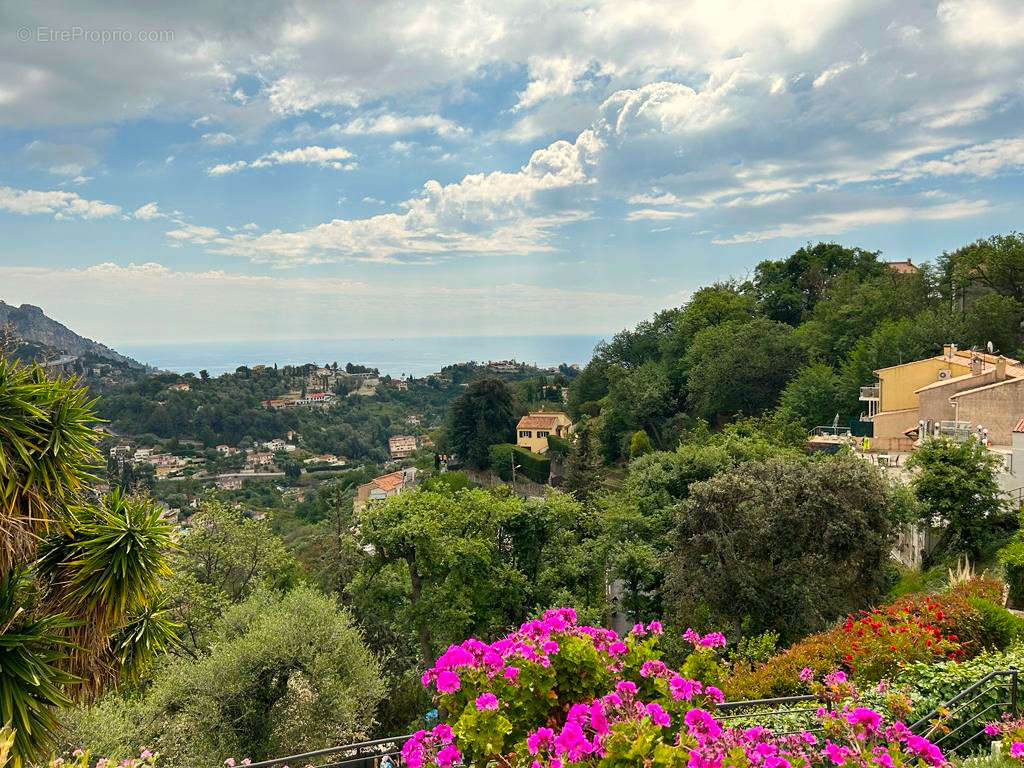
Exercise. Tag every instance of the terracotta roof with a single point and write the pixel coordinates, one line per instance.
(538, 421)
(1020, 426)
(389, 482)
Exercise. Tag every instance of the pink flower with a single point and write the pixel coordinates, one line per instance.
(550, 647)
(639, 630)
(658, 715)
(865, 717)
(653, 668)
(713, 640)
(691, 636)
(684, 688)
(448, 682)
(991, 729)
(626, 687)
(230, 762)
(836, 753)
(486, 701)
(448, 755)
(541, 738)
(442, 732)
(1017, 749)
(511, 673)
(714, 694)
(806, 674)
(655, 628)
(617, 648)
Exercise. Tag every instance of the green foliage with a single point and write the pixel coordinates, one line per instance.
(785, 545)
(741, 367)
(479, 418)
(527, 463)
(639, 444)
(957, 486)
(997, 627)
(288, 674)
(584, 469)
(815, 396)
(449, 565)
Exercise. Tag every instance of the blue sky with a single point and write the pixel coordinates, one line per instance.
(308, 170)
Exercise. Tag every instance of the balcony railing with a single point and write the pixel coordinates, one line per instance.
(869, 393)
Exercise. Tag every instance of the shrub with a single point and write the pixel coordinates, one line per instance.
(529, 464)
(875, 644)
(997, 626)
(556, 692)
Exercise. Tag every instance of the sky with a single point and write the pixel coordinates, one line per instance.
(175, 172)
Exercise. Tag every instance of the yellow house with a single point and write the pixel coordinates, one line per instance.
(893, 402)
(533, 429)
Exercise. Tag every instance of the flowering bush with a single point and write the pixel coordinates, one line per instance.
(875, 644)
(82, 759)
(555, 692)
(1011, 730)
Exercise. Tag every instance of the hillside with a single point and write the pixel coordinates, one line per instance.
(29, 323)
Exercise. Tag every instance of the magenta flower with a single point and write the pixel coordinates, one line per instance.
(448, 755)
(658, 715)
(626, 687)
(442, 732)
(511, 673)
(806, 674)
(542, 738)
(713, 640)
(448, 682)
(655, 628)
(1017, 749)
(486, 701)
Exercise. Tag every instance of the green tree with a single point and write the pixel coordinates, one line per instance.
(289, 673)
(784, 544)
(740, 368)
(480, 417)
(815, 396)
(957, 485)
(639, 444)
(79, 607)
(584, 468)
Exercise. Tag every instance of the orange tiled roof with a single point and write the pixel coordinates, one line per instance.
(1020, 426)
(538, 421)
(389, 482)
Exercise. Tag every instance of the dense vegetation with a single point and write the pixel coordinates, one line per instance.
(800, 337)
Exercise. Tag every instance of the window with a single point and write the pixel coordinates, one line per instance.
(542, 433)
(525, 433)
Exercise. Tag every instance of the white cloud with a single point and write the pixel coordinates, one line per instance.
(59, 203)
(549, 77)
(60, 159)
(336, 158)
(654, 214)
(397, 124)
(148, 212)
(981, 160)
(218, 139)
(838, 223)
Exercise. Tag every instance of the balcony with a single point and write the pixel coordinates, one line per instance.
(869, 394)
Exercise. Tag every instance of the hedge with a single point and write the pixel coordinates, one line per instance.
(529, 464)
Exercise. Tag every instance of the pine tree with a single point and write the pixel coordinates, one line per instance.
(583, 470)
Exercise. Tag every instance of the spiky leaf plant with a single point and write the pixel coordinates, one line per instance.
(33, 680)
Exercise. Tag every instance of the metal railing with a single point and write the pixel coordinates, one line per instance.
(952, 725)
(363, 754)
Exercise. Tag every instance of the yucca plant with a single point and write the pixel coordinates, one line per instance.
(33, 680)
(79, 580)
(104, 570)
(47, 454)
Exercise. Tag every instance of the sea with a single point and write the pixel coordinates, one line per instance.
(396, 357)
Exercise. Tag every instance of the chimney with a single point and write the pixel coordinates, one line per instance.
(977, 365)
(1000, 368)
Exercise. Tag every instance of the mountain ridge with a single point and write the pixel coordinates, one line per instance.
(30, 323)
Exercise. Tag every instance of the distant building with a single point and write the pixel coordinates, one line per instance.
(120, 452)
(534, 428)
(384, 486)
(226, 450)
(230, 482)
(259, 459)
(402, 446)
(903, 267)
(181, 386)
